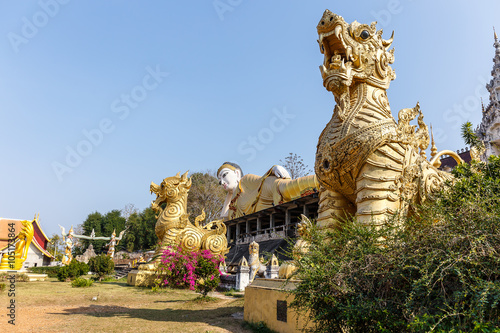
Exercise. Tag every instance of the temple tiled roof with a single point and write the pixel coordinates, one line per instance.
(40, 240)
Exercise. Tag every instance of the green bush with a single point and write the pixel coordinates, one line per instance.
(207, 271)
(73, 270)
(101, 266)
(436, 271)
(259, 327)
(197, 270)
(20, 277)
(108, 279)
(233, 293)
(51, 271)
(2, 287)
(81, 282)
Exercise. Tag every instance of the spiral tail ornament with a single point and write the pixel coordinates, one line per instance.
(190, 239)
(431, 183)
(217, 244)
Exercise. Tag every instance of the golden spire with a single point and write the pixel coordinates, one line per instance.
(495, 34)
(433, 147)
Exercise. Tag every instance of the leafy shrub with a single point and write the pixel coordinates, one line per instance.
(51, 271)
(2, 287)
(101, 265)
(438, 270)
(20, 277)
(73, 270)
(108, 279)
(205, 299)
(81, 282)
(194, 270)
(259, 327)
(233, 293)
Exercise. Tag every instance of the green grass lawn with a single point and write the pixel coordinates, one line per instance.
(54, 306)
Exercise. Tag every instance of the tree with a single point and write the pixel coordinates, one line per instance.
(101, 266)
(56, 247)
(128, 210)
(295, 166)
(140, 234)
(103, 226)
(73, 270)
(205, 194)
(197, 270)
(470, 137)
(93, 222)
(113, 222)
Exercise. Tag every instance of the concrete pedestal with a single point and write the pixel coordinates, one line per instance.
(266, 300)
(36, 277)
(141, 278)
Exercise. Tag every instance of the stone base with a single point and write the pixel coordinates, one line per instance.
(36, 277)
(141, 278)
(266, 300)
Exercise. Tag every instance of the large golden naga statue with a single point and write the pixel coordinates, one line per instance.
(173, 226)
(13, 260)
(368, 165)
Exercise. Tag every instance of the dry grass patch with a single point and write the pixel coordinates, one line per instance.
(53, 306)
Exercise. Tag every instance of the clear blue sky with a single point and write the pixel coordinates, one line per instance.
(90, 78)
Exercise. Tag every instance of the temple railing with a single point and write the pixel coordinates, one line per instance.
(271, 223)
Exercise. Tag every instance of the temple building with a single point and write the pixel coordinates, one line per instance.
(448, 162)
(37, 253)
(489, 129)
(269, 227)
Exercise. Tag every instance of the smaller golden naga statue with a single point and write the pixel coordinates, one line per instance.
(256, 264)
(173, 226)
(301, 247)
(13, 260)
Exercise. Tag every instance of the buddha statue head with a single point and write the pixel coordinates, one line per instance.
(229, 175)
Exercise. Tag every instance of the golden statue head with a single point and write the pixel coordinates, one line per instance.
(170, 189)
(253, 248)
(353, 52)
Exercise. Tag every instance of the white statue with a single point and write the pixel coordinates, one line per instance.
(247, 194)
(111, 245)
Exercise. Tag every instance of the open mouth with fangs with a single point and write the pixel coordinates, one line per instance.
(338, 56)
